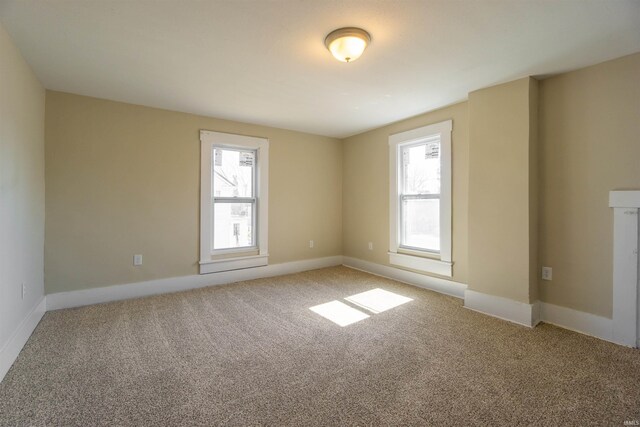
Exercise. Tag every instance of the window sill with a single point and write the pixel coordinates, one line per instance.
(426, 265)
(239, 263)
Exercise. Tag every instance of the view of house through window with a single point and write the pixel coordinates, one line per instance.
(420, 195)
(233, 197)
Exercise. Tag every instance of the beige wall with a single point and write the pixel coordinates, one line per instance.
(21, 192)
(366, 188)
(124, 179)
(590, 144)
(501, 227)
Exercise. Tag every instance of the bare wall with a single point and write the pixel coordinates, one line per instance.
(366, 188)
(21, 191)
(590, 144)
(501, 196)
(124, 179)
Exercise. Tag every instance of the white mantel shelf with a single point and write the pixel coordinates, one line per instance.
(626, 322)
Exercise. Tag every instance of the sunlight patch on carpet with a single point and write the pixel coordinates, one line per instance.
(339, 313)
(378, 300)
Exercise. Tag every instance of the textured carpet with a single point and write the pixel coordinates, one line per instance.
(254, 353)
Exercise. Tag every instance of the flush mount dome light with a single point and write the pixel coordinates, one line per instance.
(347, 44)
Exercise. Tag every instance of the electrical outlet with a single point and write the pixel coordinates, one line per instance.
(24, 290)
(311, 243)
(370, 246)
(547, 273)
(137, 259)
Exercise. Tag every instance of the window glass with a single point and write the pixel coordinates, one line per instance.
(233, 172)
(419, 198)
(421, 168)
(233, 177)
(232, 225)
(421, 224)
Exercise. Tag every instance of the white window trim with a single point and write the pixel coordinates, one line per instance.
(429, 262)
(208, 264)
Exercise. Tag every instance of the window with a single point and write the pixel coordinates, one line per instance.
(234, 201)
(420, 199)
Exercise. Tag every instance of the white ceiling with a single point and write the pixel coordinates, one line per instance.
(264, 61)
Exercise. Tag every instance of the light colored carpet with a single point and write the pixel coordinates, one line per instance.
(253, 353)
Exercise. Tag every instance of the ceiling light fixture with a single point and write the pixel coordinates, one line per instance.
(347, 44)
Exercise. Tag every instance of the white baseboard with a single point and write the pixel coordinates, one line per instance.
(12, 348)
(503, 308)
(176, 284)
(448, 287)
(530, 314)
(513, 311)
(578, 321)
